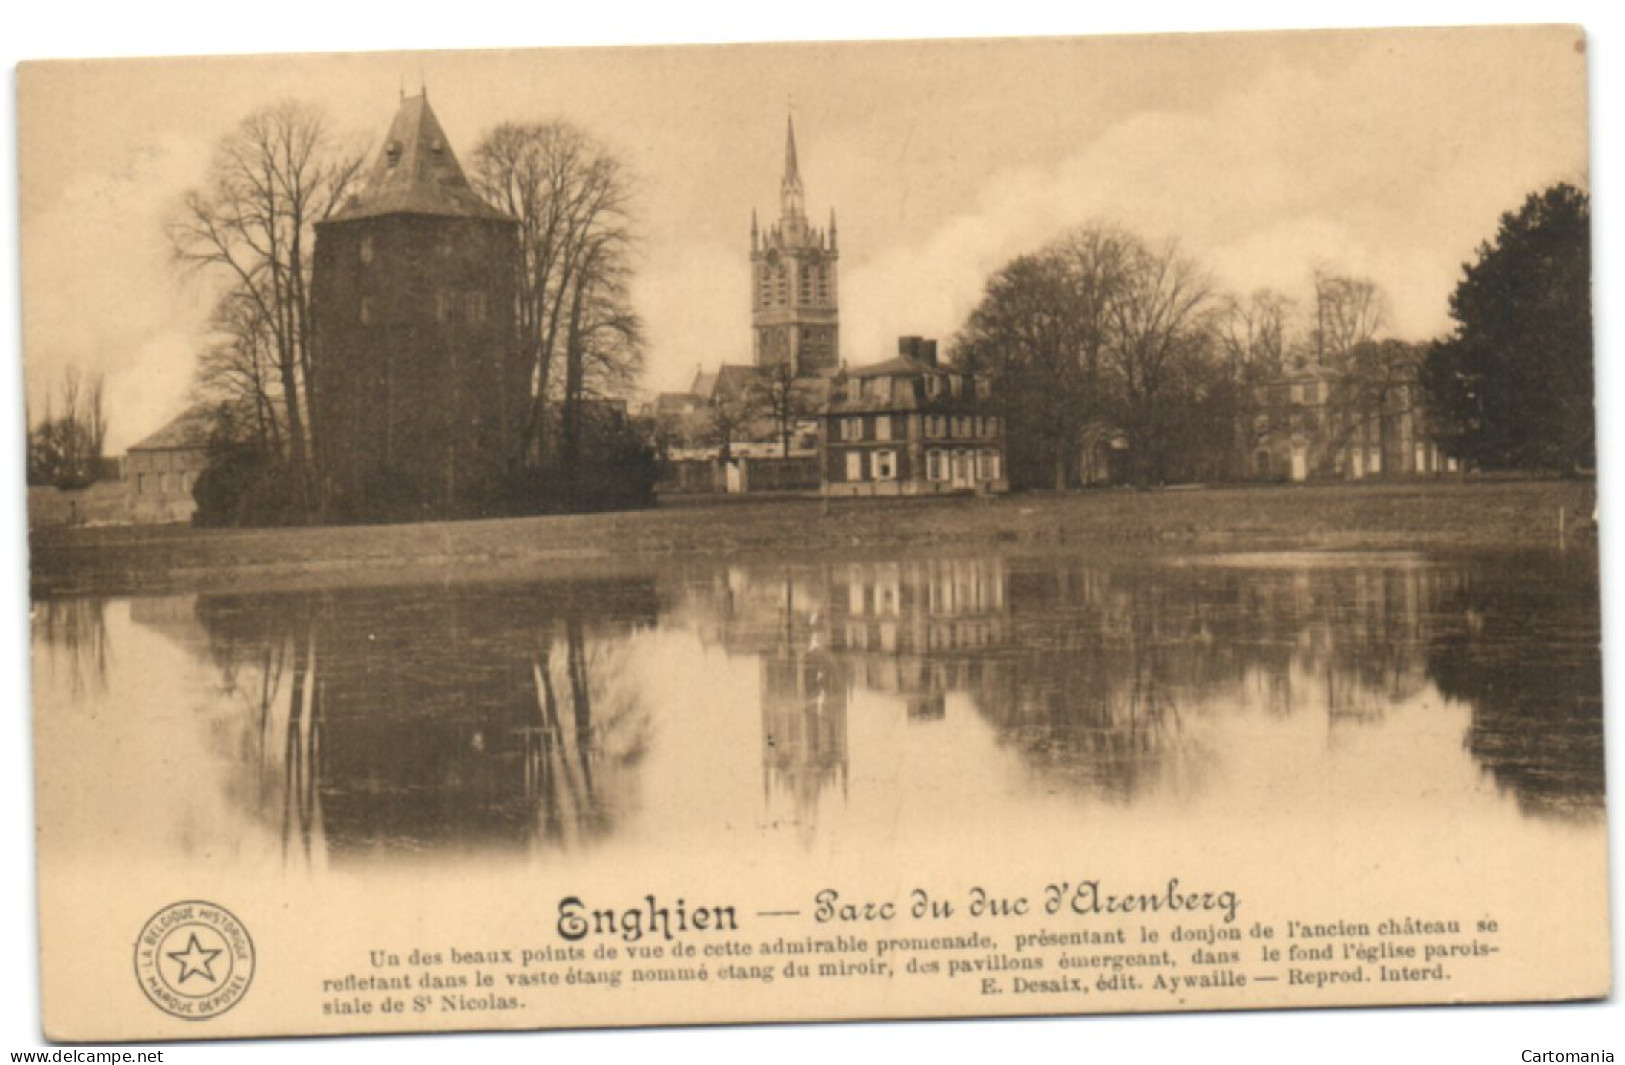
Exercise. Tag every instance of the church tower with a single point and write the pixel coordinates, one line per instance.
(419, 389)
(795, 312)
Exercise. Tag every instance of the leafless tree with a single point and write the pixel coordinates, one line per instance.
(728, 411)
(1255, 338)
(1253, 333)
(1349, 311)
(571, 198)
(252, 222)
(238, 371)
(1042, 331)
(779, 394)
(1159, 321)
(603, 351)
(66, 449)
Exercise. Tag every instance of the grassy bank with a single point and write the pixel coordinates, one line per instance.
(1419, 514)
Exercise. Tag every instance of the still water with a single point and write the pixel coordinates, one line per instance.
(803, 708)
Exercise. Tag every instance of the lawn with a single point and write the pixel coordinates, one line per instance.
(1437, 514)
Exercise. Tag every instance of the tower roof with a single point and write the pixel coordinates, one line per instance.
(792, 173)
(416, 172)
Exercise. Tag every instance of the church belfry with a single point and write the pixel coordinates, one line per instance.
(795, 310)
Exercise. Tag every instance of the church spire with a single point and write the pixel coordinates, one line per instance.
(790, 192)
(791, 171)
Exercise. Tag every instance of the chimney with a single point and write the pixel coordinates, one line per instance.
(928, 352)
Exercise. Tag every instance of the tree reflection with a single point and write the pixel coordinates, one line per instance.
(430, 719)
(73, 633)
(1537, 724)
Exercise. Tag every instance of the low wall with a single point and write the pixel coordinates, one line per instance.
(687, 476)
(103, 503)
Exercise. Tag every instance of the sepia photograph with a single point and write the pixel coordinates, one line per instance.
(665, 533)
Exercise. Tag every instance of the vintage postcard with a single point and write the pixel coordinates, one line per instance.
(619, 537)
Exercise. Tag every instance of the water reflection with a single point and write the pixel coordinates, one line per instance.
(73, 633)
(426, 720)
(1510, 646)
(523, 717)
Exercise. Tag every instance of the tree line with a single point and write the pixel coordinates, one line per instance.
(1104, 343)
(1103, 340)
(66, 445)
(250, 228)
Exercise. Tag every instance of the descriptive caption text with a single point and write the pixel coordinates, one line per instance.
(1066, 946)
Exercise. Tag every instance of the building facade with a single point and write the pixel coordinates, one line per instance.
(161, 470)
(1317, 423)
(420, 391)
(910, 427)
(795, 282)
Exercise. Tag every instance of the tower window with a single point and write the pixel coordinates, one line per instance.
(366, 311)
(366, 248)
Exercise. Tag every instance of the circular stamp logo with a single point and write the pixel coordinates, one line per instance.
(194, 960)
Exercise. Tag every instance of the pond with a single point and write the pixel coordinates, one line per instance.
(829, 709)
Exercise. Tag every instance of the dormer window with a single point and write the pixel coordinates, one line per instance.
(392, 152)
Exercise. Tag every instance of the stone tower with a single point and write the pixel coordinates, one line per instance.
(795, 312)
(420, 390)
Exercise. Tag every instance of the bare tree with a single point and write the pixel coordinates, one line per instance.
(272, 178)
(571, 198)
(1042, 331)
(779, 394)
(1253, 333)
(728, 411)
(603, 353)
(1253, 337)
(238, 372)
(1349, 311)
(1159, 320)
(66, 449)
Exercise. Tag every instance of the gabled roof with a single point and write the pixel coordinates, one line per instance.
(731, 379)
(676, 402)
(416, 172)
(896, 367)
(189, 430)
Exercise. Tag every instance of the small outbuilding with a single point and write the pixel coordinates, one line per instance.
(159, 472)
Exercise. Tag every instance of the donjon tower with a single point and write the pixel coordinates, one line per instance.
(420, 389)
(795, 309)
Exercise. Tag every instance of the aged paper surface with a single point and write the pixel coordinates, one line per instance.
(518, 779)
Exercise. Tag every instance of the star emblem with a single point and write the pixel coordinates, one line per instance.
(195, 960)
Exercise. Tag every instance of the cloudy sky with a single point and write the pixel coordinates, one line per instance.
(1385, 154)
